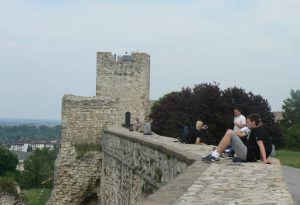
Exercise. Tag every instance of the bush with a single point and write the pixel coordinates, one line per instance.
(7, 185)
(207, 102)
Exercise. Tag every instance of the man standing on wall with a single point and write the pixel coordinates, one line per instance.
(239, 119)
(239, 123)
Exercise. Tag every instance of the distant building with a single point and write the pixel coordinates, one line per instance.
(22, 156)
(278, 116)
(24, 147)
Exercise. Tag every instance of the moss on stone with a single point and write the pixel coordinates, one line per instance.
(147, 189)
(158, 175)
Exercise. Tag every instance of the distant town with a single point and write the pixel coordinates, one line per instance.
(36, 122)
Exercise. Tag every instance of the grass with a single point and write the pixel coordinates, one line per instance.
(289, 158)
(37, 196)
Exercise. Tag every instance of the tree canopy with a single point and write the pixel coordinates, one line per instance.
(291, 108)
(207, 102)
(290, 123)
(8, 160)
(39, 169)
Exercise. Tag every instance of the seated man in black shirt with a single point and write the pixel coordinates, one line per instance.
(257, 146)
(196, 135)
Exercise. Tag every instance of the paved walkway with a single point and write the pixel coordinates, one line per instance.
(292, 178)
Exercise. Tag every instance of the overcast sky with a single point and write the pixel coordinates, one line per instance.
(48, 48)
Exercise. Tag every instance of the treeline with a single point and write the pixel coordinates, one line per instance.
(29, 132)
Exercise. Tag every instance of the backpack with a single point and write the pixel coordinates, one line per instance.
(185, 132)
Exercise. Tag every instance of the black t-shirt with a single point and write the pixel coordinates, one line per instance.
(253, 152)
(194, 134)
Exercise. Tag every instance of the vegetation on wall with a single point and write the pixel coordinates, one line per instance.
(81, 149)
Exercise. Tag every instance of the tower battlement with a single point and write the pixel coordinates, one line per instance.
(108, 57)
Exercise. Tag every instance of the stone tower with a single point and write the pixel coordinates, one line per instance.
(125, 78)
(122, 86)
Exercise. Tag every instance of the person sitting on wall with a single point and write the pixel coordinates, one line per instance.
(147, 127)
(137, 125)
(258, 145)
(195, 135)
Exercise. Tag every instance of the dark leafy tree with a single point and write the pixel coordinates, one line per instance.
(8, 160)
(207, 102)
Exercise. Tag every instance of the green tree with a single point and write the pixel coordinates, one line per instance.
(291, 109)
(39, 169)
(291, 120)
(292, 134)
(8, 160)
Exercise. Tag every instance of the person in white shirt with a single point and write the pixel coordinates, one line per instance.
(239, 120)
(239, 129)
